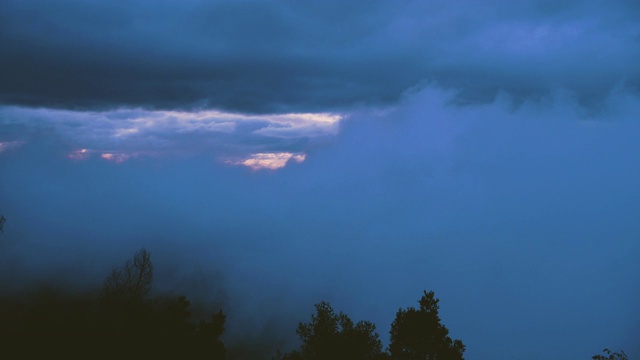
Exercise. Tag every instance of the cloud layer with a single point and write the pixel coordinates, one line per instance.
(287, 56)
(256, 141)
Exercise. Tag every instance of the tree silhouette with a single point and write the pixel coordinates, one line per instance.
(207, 338)
(122, 322)
(2, 221)
(611, 356)
(131, 282)
(418, 334)
(174, 317)
(334, 336)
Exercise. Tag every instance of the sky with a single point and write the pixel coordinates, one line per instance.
(272, 154)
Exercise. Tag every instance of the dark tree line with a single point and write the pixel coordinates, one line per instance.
(124, 321)
(416, 334)
(334, 336)
(121, 322)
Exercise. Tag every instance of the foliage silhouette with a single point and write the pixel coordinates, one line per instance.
(611, 356)
(2, 221)
(334, 336)
(207, 339)
(122, 321)
(418, 334)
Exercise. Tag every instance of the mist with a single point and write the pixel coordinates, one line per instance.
(522, 217)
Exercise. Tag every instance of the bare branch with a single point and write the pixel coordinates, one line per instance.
(131, 282)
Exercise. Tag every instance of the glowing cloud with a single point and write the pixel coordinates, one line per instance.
(81, 154)
(123, 132)
(117, 158)
(295, 125)
(270, 161)
(133, 123)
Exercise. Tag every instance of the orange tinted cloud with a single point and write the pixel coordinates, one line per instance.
(270, 161)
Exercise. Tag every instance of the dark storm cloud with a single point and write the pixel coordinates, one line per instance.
(255, 56)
